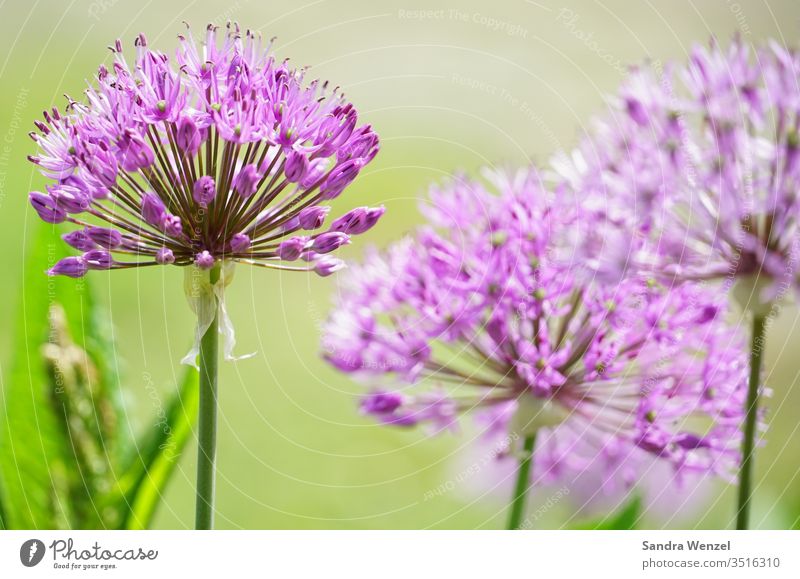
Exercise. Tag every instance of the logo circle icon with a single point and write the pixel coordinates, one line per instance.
(32, 552)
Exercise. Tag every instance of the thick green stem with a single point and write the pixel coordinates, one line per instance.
(207, 423)
(751, 422)
(523, 482)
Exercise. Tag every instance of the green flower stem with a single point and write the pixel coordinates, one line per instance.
(523, 482)
(207, 424)
(751, 421)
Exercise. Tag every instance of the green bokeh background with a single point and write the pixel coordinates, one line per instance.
(446, 90)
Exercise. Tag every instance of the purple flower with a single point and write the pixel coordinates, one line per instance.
(359, 220)
(240, 243)
(694, 174)
(290, 249)
(153, 210)
(222, 152)
(71, 195)
(246, 181)
(329, 241)
(47, 207)
(105, 237)
(313, 217)
(204, 190)
(187, 135)
(326, 266)
(296, 166)
(69, 266)
(134, 153)
(98, 259)
(381, 402)
(340, 178)
(173, 226)
(80, 240)
(204, 260)
(480, 303)
(165, 256)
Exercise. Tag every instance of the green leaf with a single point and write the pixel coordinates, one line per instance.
(626, 518)
(59, 439)
(3, 525)
(33, 452)
(144, 483)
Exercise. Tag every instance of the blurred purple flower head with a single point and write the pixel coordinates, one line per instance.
(211, 155)
(477, 312)
(694, 173)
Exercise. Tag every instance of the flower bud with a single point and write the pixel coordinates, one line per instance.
(204, 260)
(153, 209)
(330, 241)
(80, 240)
(69, 266)
(46, 207)
(291, 249)
(105, 236)
(239, 242)
(296, 167)
(187, 135)
(313, 217)
(164, 256)
(98, 259)
(246, 182)
(328, 265)
(340, 178)
(204, 190)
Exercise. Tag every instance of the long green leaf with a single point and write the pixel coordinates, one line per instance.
(3, 525)
(159, 453)
(33, 453)
(626, 518)
(58, 439)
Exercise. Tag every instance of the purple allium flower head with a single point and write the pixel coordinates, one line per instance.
(700, 163)
(480, 304)
(189, 156)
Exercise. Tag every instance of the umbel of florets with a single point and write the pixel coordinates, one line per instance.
(479, 312)
(694, 174)
(222, 153)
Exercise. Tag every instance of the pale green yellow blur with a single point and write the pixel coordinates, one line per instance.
(489, 83)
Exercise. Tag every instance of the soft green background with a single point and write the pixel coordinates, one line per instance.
(445, 90)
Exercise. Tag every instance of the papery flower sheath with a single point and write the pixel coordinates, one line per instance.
(478, 312)
(694, 174)
(220, 154)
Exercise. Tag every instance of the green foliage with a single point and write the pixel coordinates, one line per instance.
(625, 519)
(159, 453)
(64, 461)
